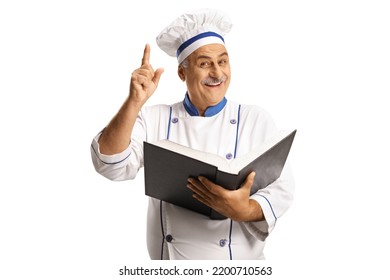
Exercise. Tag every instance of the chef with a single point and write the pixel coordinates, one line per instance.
(205, 120)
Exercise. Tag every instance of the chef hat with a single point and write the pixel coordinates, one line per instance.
(193, 30)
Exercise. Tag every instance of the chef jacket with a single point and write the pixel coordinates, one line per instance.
(227, 129)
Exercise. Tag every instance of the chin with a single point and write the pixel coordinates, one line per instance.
(218, 92)
(214, 99)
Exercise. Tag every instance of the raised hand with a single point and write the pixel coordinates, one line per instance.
(117, 134)
(144, 80)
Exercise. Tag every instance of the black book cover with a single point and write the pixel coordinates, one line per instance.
(167, 171)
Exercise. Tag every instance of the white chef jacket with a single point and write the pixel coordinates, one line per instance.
(229, 130)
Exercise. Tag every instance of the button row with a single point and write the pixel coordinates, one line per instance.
(228, 156)
(176, 120)
(222, 242)
(169, 238)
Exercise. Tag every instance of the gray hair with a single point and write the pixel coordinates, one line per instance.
(184, 63)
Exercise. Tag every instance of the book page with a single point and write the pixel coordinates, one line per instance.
(238, 163)
(235, 165)
(209, 158)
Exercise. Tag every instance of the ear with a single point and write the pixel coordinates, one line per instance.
(180, 72)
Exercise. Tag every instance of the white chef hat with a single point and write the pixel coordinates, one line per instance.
(193, 30)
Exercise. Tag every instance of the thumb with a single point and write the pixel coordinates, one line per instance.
(249, 181)
(157, 75)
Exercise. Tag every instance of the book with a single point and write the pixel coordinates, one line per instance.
(168, 165)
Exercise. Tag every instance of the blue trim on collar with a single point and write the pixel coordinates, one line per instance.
(210, 111)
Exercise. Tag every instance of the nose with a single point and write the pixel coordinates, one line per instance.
(216, 71)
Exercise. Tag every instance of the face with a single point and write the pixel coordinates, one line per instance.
(207, 76)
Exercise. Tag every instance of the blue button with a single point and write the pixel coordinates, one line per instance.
(169, 238)
(222, 242)
(233, 121)
(229, 156)
(175, 120)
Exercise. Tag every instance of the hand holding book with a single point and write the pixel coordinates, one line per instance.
(234, 204)
(168, 166)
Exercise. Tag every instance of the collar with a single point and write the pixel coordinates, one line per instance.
(210, 111)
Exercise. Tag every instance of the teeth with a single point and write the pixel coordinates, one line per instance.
(213, 81)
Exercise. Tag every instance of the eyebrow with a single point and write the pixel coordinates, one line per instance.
(209, 57)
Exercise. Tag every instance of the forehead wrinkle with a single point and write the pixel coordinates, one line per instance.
(203, 56)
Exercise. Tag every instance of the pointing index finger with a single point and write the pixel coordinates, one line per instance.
(146, 57)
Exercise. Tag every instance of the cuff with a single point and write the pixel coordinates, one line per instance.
(262, 229)
(109, 159)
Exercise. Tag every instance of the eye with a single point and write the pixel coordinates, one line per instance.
(204, 64)
(223, 62)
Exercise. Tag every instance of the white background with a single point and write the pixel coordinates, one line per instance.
(319, 66)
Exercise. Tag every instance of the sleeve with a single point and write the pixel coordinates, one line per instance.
(274, 200)
(277, 197)
(124, 165)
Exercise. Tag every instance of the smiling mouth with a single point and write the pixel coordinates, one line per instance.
(212, 82)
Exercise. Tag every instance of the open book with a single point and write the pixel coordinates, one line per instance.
(168, 165)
